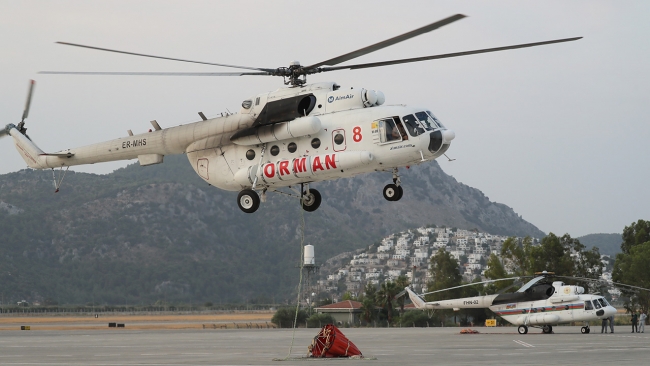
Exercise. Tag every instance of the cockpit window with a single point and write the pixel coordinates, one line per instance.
(588, 305)
(426, 121)
(388, 132)
(597, 304)
(435, 119)
(412, 125)
(603, 302)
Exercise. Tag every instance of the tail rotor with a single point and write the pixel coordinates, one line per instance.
(21, 126)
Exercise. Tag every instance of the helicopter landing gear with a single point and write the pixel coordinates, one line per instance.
(522, 329)
(547, 329)
(248, 201)
(311, 200)
(394, 192)
(585, 330)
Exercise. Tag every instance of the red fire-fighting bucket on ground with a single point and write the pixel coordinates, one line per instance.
(330, 342)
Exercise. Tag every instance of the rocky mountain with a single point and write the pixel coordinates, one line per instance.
(146, 234)
(609, 244)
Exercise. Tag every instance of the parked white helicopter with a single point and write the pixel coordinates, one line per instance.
(296, 135)
(536, 304)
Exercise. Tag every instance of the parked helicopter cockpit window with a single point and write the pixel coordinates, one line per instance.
(257, 101)
(603, 302)
(292, 147)
(275, 150)
(250, 154)
(388, 132)
(426, 120)
(412, 125)
(435, 119)
(597, 304)
(588, 305)
(338, 139)
(315, 143)
(400, 128)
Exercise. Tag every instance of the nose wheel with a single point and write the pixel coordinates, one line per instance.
(585, 330)
(393, 192)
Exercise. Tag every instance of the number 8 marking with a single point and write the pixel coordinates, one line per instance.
(356, 134)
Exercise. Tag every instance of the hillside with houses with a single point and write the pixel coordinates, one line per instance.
(408, 253)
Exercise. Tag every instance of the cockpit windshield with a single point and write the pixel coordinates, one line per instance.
(426, 120)
(412, 125)
(588, 305)
(435, 119)
(597, 304)
(603, 302)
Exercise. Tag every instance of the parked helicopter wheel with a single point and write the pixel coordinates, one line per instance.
(584, 330)
(392, 192)
(248, 200)
(311, 201)
(547, 329)
(522, 329)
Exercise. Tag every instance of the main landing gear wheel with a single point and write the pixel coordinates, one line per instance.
(311, 201)
(248, 201)
(393, 192)
(522, 329)
(585, 330)
(547, 329)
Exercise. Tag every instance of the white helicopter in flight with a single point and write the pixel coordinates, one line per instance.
(296, 135)
(536, 304)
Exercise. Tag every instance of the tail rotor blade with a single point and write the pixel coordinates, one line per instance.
(29, 100)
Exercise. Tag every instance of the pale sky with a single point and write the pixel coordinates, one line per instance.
(559, 133)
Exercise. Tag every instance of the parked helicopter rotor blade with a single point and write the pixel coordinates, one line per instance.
(164, 58)
(516, 283)
(446, 55)
(388, 42)
(153, 73)
(29, 101)
(470, 284)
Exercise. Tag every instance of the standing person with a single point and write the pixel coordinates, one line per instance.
(634, 322)
(611, 323)
(642, 319)
(603, 327)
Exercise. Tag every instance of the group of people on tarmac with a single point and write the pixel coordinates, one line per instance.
(638, 323)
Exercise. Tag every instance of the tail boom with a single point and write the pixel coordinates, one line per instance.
(149, 147)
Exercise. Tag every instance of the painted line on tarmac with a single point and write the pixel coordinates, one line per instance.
(523, 343)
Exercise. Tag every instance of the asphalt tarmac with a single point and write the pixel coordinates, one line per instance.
(396, 346)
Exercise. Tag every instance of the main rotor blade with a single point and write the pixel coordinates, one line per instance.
(153, 73)
(29, 100)
(388, 42)
(471, 284)
(446, 55)
(164, 58)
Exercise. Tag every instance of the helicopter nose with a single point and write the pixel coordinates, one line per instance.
(438, 138)
(610, 310)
